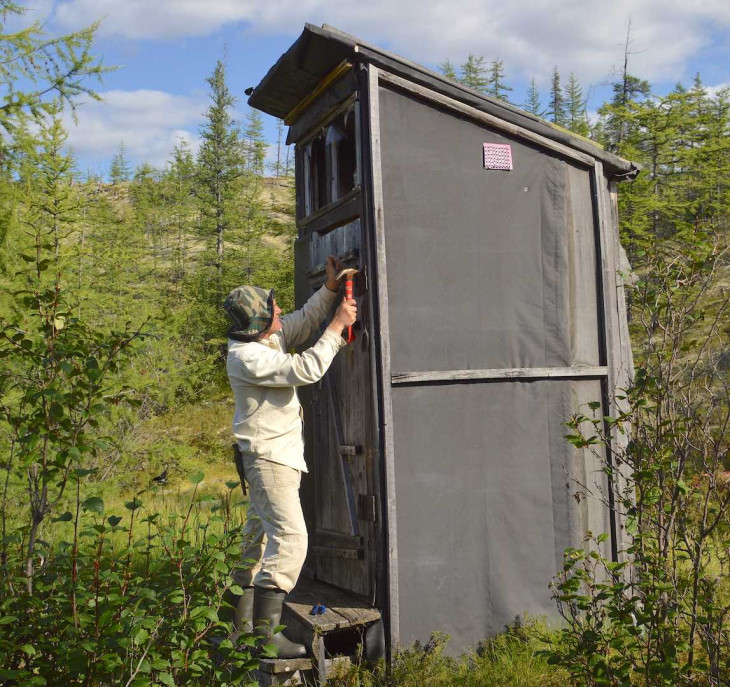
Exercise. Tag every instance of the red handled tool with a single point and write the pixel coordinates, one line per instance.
(349, 275)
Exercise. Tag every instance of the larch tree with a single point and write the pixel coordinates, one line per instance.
(220, 161)
(617, 123)
(120, 169)
(556, 106)
(52, 67)
(60, 202)
(277, 167)
(448, 70)
(496, 86)
(576, 118)
(533, 104)
(474, 73)
(254, 142)
(178, 182)
(254, 146)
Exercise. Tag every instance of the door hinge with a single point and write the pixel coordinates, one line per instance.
(366, 508)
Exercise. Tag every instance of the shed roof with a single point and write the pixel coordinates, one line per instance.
(320, 49)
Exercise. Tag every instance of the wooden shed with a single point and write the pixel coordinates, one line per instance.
(442, 492)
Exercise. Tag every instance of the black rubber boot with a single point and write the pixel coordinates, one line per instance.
(267, 606)
(243, 613)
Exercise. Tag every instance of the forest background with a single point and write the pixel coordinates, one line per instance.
(120, 509)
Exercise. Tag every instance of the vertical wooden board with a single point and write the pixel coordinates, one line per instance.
(625, 373)
(350, 376)
(583, 289)
(390, 546)
(620, 365)
(302, 291)
(351, 409)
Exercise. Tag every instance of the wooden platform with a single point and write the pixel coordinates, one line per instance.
(332, 638)
(281, 672)
(343, 610)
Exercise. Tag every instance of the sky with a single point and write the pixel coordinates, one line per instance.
(165, 49)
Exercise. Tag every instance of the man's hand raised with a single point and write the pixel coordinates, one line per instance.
(344, 317)
(333, 267)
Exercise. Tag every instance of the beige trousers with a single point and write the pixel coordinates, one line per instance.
(274, 535)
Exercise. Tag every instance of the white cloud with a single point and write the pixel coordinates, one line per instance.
(149, 122)
(712, 91)
(585, 36)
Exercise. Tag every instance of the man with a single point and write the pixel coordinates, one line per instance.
(268, 429)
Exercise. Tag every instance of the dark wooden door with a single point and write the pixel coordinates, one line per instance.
(340, 504)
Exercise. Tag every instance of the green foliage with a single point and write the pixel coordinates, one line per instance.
(220, 163)
(120, 170)
(474, 73)
(533, 105)
(659, 616)
(496, 87)
(575, 107)
(261, 265)
(448, 70)
(513, 658)
(54, 68)
(681, 141)
(131, 599)
(254, 142)
(556, 105)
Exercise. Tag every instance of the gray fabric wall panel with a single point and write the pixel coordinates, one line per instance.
(478, 261)
(485, 503)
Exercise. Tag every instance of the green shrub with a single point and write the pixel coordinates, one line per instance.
(126, 600)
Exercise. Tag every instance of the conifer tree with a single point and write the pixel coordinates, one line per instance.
(617, 122)
(150, 210)
(220, 161)
(179, 189)
(289, 162)
(277, 167)
(120, 169)
(576, 118)
(474, 73)
(533, 105)
(556, 106)
(57, 172)
(254, 142)
(448, 70)
(51, 68)
(495, 83)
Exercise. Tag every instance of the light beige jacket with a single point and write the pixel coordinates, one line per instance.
(264, 377)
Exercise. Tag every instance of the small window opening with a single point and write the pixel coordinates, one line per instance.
(347, 155)
(318, 173)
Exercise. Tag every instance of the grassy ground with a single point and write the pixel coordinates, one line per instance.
(511, 659)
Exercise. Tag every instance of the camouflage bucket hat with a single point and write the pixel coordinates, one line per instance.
(251, 310)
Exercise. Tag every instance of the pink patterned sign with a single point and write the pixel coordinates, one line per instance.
(497, 156)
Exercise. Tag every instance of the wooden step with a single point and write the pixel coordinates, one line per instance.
(296, 671)
(343, 623)
(343, 609)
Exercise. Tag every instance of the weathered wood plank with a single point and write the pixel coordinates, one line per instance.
(343, 610)
(431, 376)
(330, 215)
(619, 362)
(386, 421)
(337, 73)
(324, 537)
(338, 99)
(293, 672)
(334, 552)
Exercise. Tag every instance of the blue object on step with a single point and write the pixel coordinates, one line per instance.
(318, 609)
